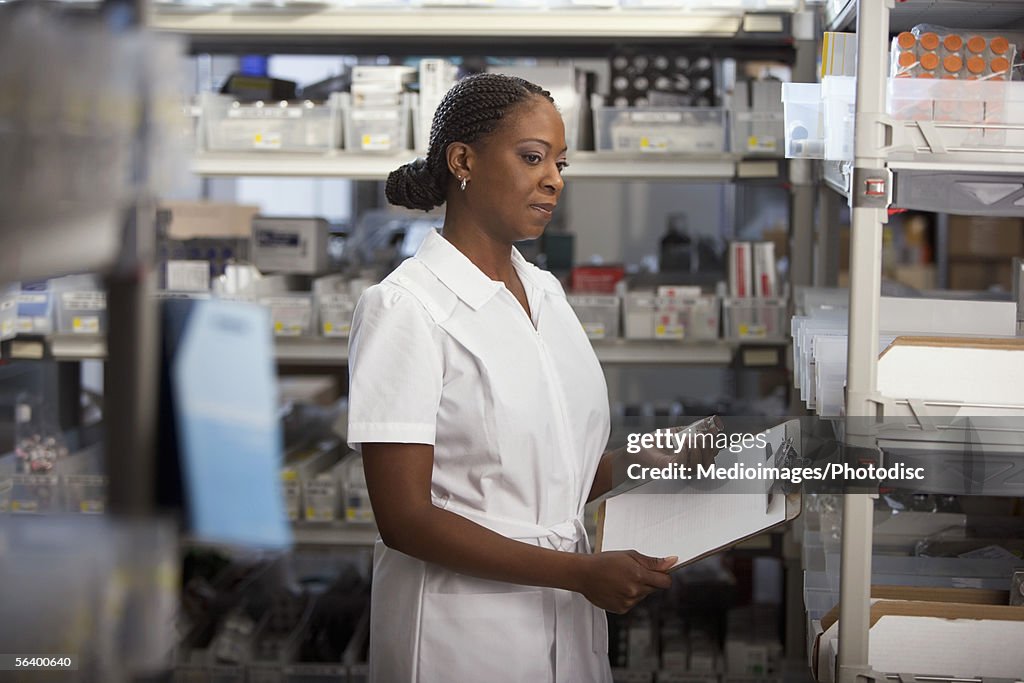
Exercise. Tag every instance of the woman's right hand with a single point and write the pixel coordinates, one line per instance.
(616, 581)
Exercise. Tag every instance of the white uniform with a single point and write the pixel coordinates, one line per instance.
(517, 412)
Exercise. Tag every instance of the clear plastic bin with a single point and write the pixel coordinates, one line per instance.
(322, 495)
(758, 133)
(997, 106)
(35, 311)
(290, 314)
(638, 310)
(82, 312)
(691, 318)
(35, 493)
(377, 129)
(356, 495)
(269, 127)
(659, 130)
(598, 314)
(336, 314)
(839, 94)
(6, 488)
(8, 311)
(804, 111)
(754, 318)
(86, 493)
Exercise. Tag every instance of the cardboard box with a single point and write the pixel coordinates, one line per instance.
(918, 275)
(942, 632)
(980, 275)
(209, 219)
(986, 236)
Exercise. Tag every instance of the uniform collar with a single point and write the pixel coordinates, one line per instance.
(462, 276)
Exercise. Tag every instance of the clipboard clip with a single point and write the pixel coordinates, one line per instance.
(786, 456)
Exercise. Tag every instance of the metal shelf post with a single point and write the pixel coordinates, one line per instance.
(871, 193)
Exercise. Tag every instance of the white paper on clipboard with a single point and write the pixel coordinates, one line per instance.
(692, 523)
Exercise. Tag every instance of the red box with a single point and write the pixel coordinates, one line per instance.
(596, 279)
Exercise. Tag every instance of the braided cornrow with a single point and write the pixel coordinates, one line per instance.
(469, 111)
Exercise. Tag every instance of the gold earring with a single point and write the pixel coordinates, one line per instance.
(462, 184)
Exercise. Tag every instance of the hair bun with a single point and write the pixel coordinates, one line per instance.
(413, 186)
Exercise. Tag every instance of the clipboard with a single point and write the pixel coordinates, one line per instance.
(693, 525)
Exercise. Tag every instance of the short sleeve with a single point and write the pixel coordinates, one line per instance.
(395, 370)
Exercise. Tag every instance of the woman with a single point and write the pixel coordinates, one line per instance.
(482, 413)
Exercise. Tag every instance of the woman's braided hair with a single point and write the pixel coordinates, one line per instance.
(469, 111)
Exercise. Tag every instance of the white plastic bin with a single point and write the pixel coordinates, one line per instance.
(660, 130)
(232, 126)
(804, 111)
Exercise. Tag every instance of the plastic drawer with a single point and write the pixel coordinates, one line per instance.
(82, 312)
(291, 314)
(336, 314)
(754, 318)
(86, 493)
(377, 129)
(599, 315)
(758, 133)
(659, 130)
(269, 127)
(803, 110)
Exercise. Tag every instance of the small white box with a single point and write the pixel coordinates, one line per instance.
(394, 77)
(188, 276)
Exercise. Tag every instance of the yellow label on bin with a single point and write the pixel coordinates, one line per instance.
(328, 327)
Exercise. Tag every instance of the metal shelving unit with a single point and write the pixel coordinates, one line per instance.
(469, 23)
(585, 165)
(874, 177)
(327, 352)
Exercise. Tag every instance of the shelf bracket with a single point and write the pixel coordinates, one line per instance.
(860, 674)
(872, 188)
